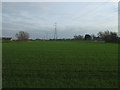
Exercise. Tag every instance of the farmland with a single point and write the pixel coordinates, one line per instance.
(60, 64)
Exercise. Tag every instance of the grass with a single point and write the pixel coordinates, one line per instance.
(60, 64)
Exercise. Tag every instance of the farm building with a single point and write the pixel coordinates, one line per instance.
(6, 38)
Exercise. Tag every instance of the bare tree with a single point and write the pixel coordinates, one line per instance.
(22, 36)
(79, 37)
(92, 36)
(108, 36)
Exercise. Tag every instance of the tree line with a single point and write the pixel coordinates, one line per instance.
(107, 36)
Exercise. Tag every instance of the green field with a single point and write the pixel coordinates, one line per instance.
(60, 64)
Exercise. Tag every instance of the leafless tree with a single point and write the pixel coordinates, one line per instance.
(108, 36)
(22, 36)
(79, 37)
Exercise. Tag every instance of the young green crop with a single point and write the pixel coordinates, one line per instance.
(57, 64)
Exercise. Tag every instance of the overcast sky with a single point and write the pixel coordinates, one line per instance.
(38, 18)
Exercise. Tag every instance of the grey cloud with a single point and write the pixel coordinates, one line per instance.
(72, 18)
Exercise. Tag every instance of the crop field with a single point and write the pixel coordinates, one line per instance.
(59, 64)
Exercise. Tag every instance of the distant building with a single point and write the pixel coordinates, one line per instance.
(37, 39)
(6, 38)
(97, 38)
